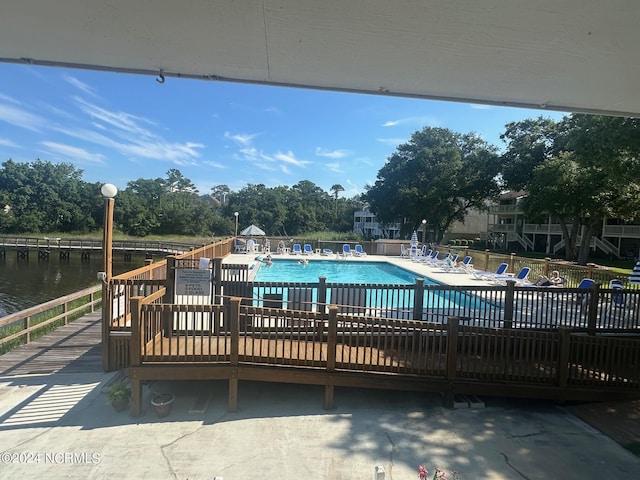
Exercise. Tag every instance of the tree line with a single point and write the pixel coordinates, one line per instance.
(577, 171)
(43, 197)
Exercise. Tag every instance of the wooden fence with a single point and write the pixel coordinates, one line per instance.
(237, 341)
(21, 327)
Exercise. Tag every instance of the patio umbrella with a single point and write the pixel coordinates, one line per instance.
(414, 239)
(634, 278)
(252, 230)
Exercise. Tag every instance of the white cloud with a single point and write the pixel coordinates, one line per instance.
(73, 153)
(419, 121)
(477, 106)
(334, 167)
(392, 141)
(5, 142)
(79, 85)
(21, 118)
(131, 136)
(243, 139)
(290, 159)
(7, 98)
(121, 120)
(213, 164)
(322, 152)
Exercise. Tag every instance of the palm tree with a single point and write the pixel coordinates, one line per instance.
(336, 189)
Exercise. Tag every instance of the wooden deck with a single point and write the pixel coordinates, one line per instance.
(73, 348)
(303, 353)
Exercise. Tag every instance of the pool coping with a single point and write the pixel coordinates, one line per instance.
(420, 269)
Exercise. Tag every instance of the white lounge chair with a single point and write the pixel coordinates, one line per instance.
(359, 252)
(484, 275)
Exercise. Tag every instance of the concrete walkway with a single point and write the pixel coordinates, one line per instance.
(60, 426)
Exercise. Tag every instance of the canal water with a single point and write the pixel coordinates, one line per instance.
(28, 282)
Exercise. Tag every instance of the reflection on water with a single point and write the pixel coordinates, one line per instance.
(28, 282)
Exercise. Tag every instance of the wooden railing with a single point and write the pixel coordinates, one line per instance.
(22, 327)
(335, 349)
(511, 306)
(57, 243)
(147, 280)
(489, 261)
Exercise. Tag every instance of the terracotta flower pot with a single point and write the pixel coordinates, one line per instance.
(162, 403)
(120, 404)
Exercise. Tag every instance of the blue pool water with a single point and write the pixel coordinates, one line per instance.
(336, 272)
(357, 273)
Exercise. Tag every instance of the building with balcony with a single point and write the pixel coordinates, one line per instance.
(508, 228)
(366, 224)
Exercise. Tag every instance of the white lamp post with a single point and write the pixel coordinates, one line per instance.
(108, 191)
(235, 214)
(424, 231)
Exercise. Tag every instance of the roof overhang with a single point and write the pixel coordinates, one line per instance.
(570, 55)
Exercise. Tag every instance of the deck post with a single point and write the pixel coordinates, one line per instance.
(234, 323)
(322, 294)
(418, 299)
(452, 358)
(564, 349)
(135, 349)
(545, 268)
(217, 280)
(332, 341)
(169, 295)
(135, 354)
(592, 313)
(509, 296)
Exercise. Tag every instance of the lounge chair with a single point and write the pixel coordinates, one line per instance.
(484, 275)
(464, 266)
(346, 250)
(359, 252)
(433, 258)
(296, 250)
(307, 249)
(326, 252)
(404, 252)
(620, 305)
(583, 298)
(520, 279)
(447, 260)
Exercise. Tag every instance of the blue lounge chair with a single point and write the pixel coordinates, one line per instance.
(484, 275)
(307, 249)
(346, 250)
(326, 252)
(296, 250)
(359, 251)
(620, 306)
(520, 279)
(462, 267)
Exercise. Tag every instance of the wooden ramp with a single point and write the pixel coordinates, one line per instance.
(72, 348)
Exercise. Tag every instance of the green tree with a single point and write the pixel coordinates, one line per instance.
(47, 197)
(438, 176)
(576, 177)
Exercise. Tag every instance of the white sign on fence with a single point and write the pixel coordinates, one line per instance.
(193, 282)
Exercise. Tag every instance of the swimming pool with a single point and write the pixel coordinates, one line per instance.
(378, 286)
(337, 272)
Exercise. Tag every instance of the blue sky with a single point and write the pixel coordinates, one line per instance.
(118, 128)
